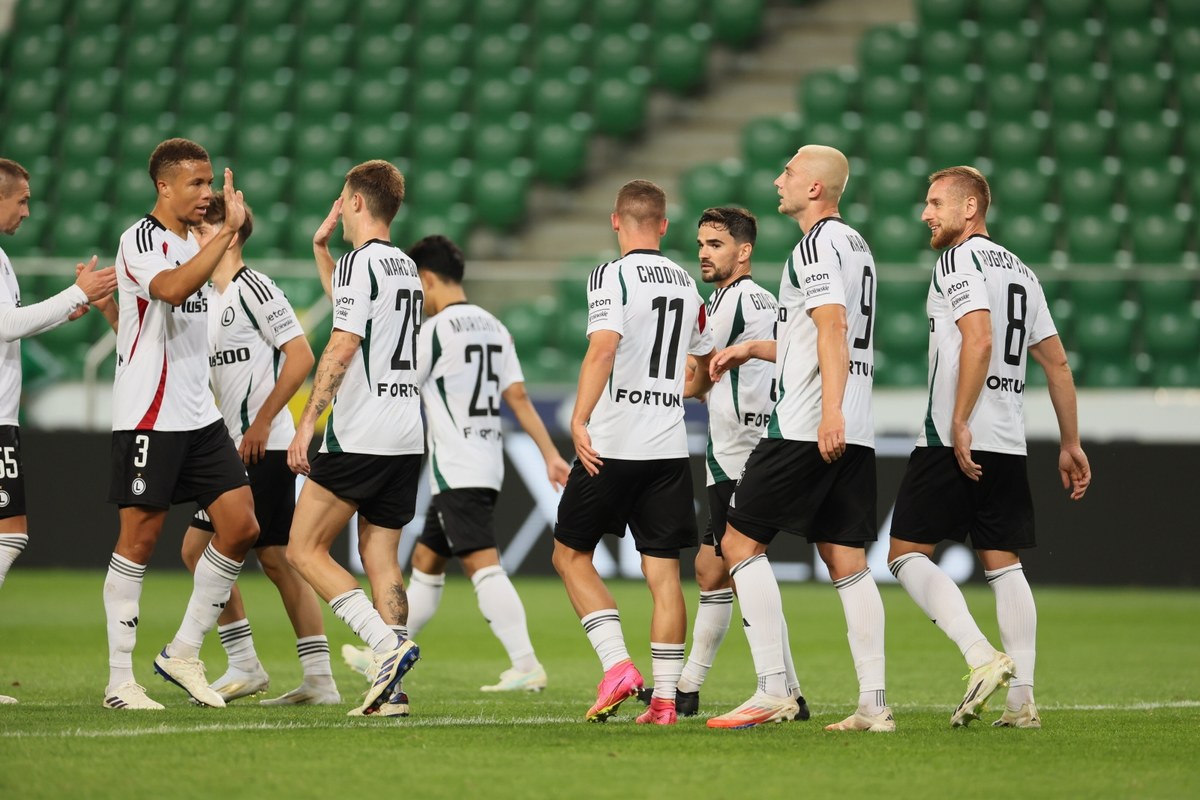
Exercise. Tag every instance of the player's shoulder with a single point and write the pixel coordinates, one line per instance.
(255, 285)
(842, 235)
(143, 233)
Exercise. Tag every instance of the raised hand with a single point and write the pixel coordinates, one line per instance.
(97, 284)
(329, 225)
(235, 204)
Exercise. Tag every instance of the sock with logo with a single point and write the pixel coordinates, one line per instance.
(122, 593)
(942, 601)
(708, 631)
(762, 619)
(502, 608)
(11, 545)
(212, 583)
(424, 596)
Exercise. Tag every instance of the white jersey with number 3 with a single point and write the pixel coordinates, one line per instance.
(980, 275)
(377, 411)
(832, 265)
(653, 304)
(467, 360)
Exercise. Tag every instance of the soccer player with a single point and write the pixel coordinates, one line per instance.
(967, 474)
(814, 472)
(644, 318)
(18, 322)
(258, 358)
(370, 457)
(467, 364)
(169, 442)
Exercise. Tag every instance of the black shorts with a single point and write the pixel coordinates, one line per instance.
(718, 506)
(787, 486)
(654, 498)
(937, 501)
(12, 473)
(383, 487)
(157, 469)
(274, 488)
(459, 522)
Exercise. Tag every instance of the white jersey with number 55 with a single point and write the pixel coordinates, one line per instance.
(377, 411)
(975, 275)
(653, 304)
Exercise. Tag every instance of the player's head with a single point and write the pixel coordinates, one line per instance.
(183, 175)
(642, 207)
(14, 196)
(957, 200)
(725, 237)
(374, 189)
(816, 175)
(214, 220)
(439, 257)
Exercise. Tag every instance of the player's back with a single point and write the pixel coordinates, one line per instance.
(653, 304)
(10, 352)
(377, 296)
(980, 274)
(471, 361)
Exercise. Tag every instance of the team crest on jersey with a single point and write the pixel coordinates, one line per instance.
(139, 486)
(227, 316)
(5, 499)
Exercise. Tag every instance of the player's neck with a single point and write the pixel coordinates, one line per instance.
(445, 295)
(814, 214)
(971, 229)
(371, 230)
(630, 241)
(230, 263)
(168, 220)
(736, 275)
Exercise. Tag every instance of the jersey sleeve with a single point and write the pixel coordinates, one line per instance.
(142, 259)
(821, 273)
(269, 308)
(963, 286)
(429, 350)
(701, 341)
(510, 371)
(605, 310)
(1042, 324)
(352, 294)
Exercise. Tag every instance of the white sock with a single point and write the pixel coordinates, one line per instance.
(122, 591)
(762, 618)
(504, 612)
(603, 629)
(942, 601)
(424, 595)
(666, 661)
(401, 632)
(789, 665)
(238, 642)
(863, 608)
(708, 631)
(211, 585)
(11, 545)
(314, 656)
(354, 609)
(1017, 615)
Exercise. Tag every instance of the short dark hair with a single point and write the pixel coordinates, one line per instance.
(642, 201)
(215, 215)
(381, 184)
(740, 223)
(439, 255)
(10, 173)
(172, 153)
(969, 182)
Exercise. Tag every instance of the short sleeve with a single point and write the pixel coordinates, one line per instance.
(270, 309)
(605, 307)
(821, 273)
(142, 259)
(1042, 324)
(961, 283)
(701, 341)
(429, 350)
(510, 371)
(352, 294)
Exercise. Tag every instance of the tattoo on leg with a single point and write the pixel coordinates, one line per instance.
(397, 604)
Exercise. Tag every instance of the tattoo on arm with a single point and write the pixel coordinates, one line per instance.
(330, 374)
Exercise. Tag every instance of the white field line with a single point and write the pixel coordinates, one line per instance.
(456, 722)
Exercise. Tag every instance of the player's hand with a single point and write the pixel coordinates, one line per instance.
(588, 457)
(727, 359)
(235, 204)
(96, 283)
(78, 312)
(297, 454)
(254, 442)
(962, 451)
(325, 230)
(831, 436)
(1075, 470)
(557, 471)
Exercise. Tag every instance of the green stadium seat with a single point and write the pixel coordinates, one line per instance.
(146, 99)
(1151, 189)
(496, 144)
(262, 142)
(261, 54)
(203, 99)
(1014, 144)
(1159, 239)
(203, 50)
(558, 53)
(497, 14)
(313, 192)
(679, 61)
(777, 236)
(1109, 372)
(80, 234)
(557, 98)
(380, 14)
(758, 192)
(321, 15)
(896, 192)
(302, 293)
(264, 99)
(767, 142)
(435, 190)
(943, 14)
(1067, 13)
(438, 98)
(709, 184)
(500, 196)
(1134, 49)
(1003, 14)
(1006, 50)
(898, 239)
(945, 52)
(1171, 334)
(619, 104)
(147, 53)
(1185, 47)
(1187, 88)
(1175, 373)
(134, 193)
(1093, 239)
(439, 16)
(385, 139)
(28, 240)
(498, 98)
(1075, 98)
(827, 94)
(1080, 144)
(675, 16)
(556, 15)
(953, 143)
(92, 14)
(614, 54)
(322, 141)
(610, 16)
(35, 17)
(885, 98)
(1166, 295)
(1103, 333)
(210, 14)
(1012, 97)
(1145, 143)
(903, 290)
(148, 15)
(454, 224)
(737, 22)
(1030, 237)
(1070, 50)
(901, 372)
(1133, 12)
(528, 323)
(266, 14)
(1020, 189)
(440, 142)
(1087, 190)
(950, 99)
(902, 331)
(93, 50)
(890, 145)
(87, 140)
(1138, 97)
(29, 97)
(381, 51)
(32, 53)
(885, 49)
(497, 54)
(322, 52)
(263, 186)
(80, 188)
(377, 98)
(28, 140)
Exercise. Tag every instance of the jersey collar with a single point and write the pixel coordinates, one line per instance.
(154, 219)
(646, 252)
(377, 241)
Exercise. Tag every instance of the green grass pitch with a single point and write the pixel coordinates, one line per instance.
(1118, 686)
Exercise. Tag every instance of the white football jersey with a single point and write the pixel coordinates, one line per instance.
(653, 304)
(377, 411)
(739, 404)
(248, 323)
(161, 381)
(831, 265)
(467, 360)
(10, 352)
(981, 275)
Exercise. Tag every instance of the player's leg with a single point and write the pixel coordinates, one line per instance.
(429, 559)
(379, 547)
(1016, 614)
(501, 606)
(668, 630)
(13, 538)
(713, 614)
(140, 528)
(14, 526)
